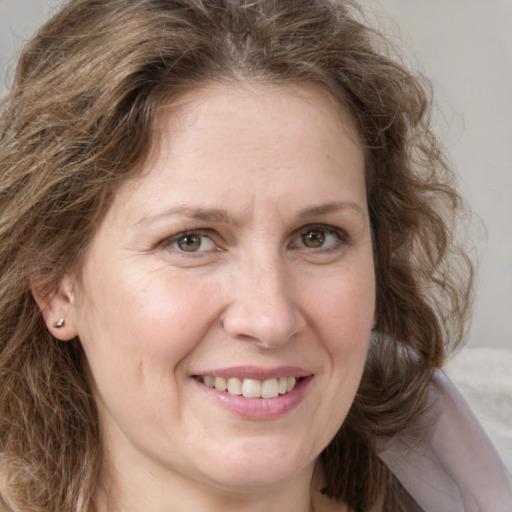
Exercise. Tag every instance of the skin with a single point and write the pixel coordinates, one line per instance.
(275, 167)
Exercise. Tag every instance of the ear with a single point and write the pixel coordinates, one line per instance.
(57, 305)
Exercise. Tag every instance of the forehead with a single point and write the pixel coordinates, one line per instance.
(238, 142)
(257, 116)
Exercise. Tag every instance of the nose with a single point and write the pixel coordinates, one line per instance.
(263, 306)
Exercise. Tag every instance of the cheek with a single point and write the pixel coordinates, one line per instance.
(342, 312)
(135, 322)
(173, 312)
(135, 333)
(344, 303)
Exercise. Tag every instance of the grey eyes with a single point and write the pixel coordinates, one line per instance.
(189, 243)
(315, 237)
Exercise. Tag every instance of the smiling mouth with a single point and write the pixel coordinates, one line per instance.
(251, 388)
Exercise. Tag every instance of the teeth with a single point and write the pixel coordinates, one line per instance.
(234, 386)
(282, 386)
(221, 384)
(251, 388)
(209, 381)
(269, 388)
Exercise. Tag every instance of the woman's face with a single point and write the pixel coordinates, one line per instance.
(242, 257)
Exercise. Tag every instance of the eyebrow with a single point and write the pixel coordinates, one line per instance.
(219, 215)
(203, 214)
(331, 207)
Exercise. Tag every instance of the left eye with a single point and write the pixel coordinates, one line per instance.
(313, 239)
(191, 242)
(318, 237)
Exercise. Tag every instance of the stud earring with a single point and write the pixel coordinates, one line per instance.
(59, 324)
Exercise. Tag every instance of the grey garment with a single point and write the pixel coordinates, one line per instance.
(412, 506)
(453, 467)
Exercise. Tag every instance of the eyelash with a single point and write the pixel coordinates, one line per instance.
(341, 235)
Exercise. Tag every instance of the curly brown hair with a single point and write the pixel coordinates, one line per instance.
(78, 121)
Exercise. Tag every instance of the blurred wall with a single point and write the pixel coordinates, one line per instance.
(465, 48)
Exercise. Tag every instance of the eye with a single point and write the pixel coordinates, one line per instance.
(313, 239)
(319, 237)
(190, 242)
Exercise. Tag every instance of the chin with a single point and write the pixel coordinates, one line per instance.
(257, 464)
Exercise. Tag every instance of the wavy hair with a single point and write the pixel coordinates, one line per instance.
(78, 121)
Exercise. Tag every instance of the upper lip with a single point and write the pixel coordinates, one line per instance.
(258, 373)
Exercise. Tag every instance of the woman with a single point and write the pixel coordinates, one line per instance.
(228, 271)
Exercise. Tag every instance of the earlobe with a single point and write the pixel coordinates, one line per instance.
(57, 305)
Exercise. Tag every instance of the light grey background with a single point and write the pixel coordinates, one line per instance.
(465, 48)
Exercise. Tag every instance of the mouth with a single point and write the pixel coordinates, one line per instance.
(250, 388)
(253, 393)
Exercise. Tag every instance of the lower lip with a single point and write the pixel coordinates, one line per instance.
(259, 408)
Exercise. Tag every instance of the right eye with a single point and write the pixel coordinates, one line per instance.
(190, 242)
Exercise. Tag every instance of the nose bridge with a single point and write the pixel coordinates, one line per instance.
(267, 281)
(263, 308)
